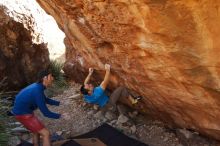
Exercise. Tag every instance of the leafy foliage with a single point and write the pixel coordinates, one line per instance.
(3, 132)
(3, 118)
(59, 83)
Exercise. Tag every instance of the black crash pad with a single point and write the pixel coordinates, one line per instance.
(110, 136)
(104, 133)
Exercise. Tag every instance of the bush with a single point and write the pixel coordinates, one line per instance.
(4, 136)
(59, 84)
(3, 119)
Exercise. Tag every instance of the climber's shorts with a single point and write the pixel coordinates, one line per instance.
(31, 122)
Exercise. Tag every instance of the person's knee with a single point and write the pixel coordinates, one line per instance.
(121, 88)
(47, 132)
(44, 132)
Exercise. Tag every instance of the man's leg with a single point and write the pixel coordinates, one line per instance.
(31, 122)
(117, 93)
(36, 137)
(46, 136)
(121, 92)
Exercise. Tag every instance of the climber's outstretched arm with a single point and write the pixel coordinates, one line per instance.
(88, 76)
(106, 78)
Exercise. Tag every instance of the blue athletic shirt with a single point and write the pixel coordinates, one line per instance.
(97, 97)
(31, 98)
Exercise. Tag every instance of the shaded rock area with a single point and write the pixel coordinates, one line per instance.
(81, 118)
(167, 51)
(20, 58)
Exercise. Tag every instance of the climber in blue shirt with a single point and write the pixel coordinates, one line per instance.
(98, 95)
(31, 98)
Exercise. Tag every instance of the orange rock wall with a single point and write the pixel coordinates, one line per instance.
(166, 50)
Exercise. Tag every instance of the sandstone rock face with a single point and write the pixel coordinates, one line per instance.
(20, 58)
(167, 51)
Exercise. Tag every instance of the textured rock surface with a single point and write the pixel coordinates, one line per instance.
(20, 58)
(167, 51)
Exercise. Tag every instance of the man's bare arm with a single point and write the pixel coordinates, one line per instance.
(88, 76)
(106, 78)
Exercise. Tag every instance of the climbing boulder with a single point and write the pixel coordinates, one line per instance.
(165, 50)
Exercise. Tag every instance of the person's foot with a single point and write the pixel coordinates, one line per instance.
(136, 99)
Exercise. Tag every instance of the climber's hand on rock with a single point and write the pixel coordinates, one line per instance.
(107, 67)
(91, 70)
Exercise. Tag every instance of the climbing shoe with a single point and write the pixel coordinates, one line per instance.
(136, 99)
